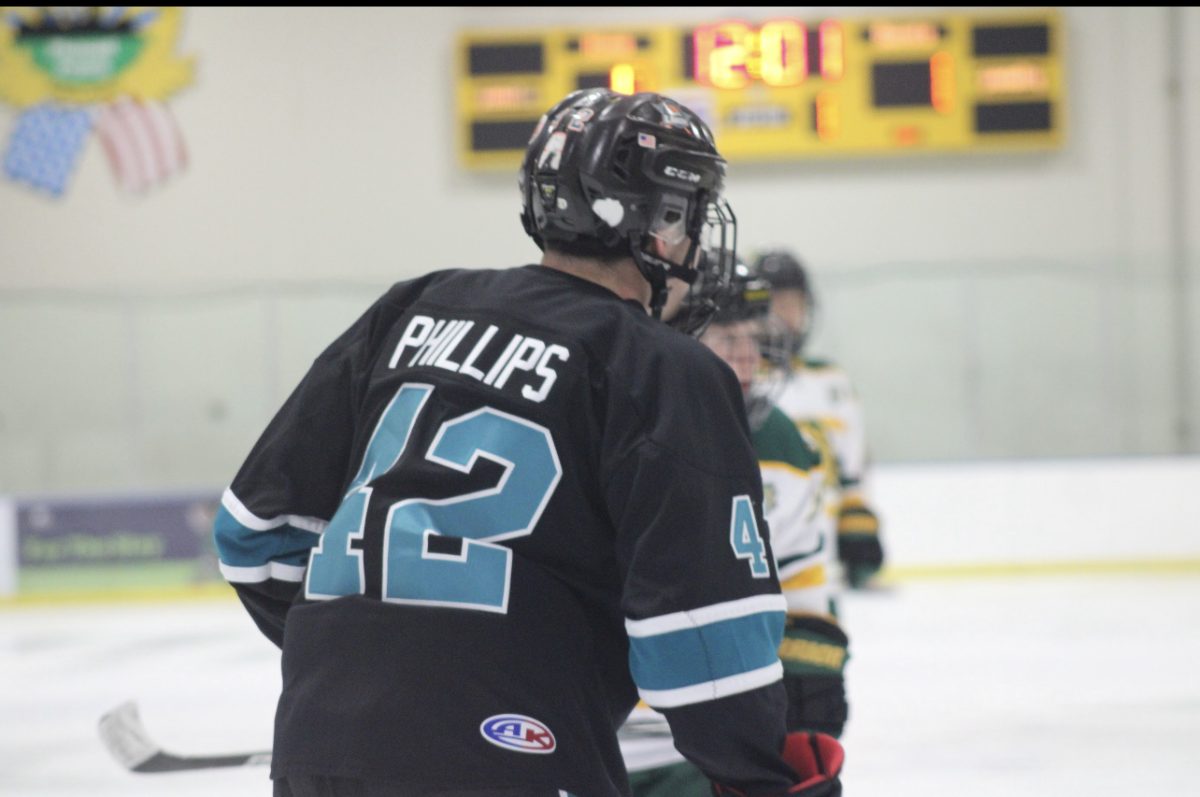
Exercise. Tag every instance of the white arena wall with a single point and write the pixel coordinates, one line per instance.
(1134, 511)
(986, 518)
(989, 306)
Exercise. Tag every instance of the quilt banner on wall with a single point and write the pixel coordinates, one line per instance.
(72, 72)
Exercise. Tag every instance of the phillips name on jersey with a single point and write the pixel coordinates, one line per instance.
(434, 341)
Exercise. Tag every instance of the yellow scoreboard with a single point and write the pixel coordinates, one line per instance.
(785, 88)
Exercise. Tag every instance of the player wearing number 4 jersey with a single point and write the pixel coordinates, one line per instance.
(814, 650)
(505, 503)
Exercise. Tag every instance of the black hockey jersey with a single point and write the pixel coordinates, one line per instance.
(498, 508)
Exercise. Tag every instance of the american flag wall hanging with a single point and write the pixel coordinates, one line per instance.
(71, 71)
(142, 142)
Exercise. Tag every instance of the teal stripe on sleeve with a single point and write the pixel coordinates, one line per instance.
(239, 546)
(698, 655)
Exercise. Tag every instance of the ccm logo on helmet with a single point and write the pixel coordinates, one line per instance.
(519, 733)
(681, 174)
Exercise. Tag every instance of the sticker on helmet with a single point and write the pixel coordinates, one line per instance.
(674, 115)
(681, 174)
(647, 140)
(610, 210)
(518, 733)
(551, 155)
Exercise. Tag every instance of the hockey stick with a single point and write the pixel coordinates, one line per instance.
(123, 734)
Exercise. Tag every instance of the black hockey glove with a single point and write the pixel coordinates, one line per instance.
(814, 654)
(817, 760)
(859, 549)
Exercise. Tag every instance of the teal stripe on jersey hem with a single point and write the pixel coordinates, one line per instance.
(241, 546)
(691, 656)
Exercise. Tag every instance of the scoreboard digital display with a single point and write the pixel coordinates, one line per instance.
(785, 88)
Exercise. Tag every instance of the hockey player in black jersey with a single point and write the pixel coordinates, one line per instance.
(505, 503)
(796, 503)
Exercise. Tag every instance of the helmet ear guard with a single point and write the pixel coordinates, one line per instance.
(673, 223)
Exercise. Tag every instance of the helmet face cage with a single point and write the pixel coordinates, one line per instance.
(775, 342)
(608, 175)
(759, 401)
(712, 281)
(781, 345)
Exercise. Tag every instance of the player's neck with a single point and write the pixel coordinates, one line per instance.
(622, 277)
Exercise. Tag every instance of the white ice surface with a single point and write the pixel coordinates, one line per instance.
(1051, 686)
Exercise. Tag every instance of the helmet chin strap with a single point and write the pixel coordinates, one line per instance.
(656, 270)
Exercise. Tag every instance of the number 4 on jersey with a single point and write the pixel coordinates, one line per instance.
(744, 537)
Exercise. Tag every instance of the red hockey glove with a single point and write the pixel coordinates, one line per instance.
(817, 759)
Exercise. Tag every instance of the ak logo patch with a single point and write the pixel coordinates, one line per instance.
(519, 733)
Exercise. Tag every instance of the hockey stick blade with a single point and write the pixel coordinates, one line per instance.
(123, 734)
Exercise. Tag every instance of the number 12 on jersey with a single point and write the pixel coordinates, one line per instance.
(441, 552)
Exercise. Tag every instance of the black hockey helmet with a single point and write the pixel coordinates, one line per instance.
(742, 297)
(605, 172)
(784, 271)
(749, 297)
